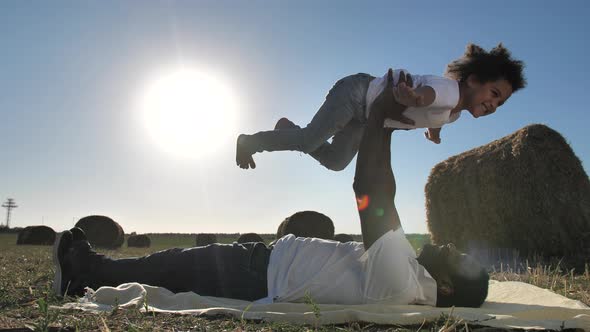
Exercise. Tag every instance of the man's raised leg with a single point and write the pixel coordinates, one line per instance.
(374, 184)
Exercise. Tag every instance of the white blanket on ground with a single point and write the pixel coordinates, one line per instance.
(509, 305)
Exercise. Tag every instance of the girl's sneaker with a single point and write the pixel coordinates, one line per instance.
(285, 123)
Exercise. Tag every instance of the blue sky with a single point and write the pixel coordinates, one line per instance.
(72, 143)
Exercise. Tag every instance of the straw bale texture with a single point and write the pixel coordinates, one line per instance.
(526, 192)
(37, 235)
(203, 239)
(250, 237)
(102, 231)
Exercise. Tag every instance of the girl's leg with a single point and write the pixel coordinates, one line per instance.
(344, 146)
(334, 114)
(344, 103)
(335, 155)
(341, 117)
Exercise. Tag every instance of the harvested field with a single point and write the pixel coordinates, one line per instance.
(26, 274)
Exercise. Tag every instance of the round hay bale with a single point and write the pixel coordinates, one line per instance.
(204, 239)
(139, 241)
(526, 193)
(307, 224)
(343, 238)
(250, 237)
(36, 235)
(102, 231)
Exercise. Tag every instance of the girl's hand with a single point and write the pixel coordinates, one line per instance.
(432, 136)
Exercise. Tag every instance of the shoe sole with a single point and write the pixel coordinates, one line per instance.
(57, 278)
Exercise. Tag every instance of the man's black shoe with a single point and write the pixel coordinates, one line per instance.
(62, 244)
(71, 256)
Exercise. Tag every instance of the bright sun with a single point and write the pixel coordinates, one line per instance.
(188, 112)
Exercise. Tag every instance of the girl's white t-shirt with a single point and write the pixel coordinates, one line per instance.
(433, 116)
(344, 273)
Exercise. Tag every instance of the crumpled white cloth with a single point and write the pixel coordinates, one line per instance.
(509, 304)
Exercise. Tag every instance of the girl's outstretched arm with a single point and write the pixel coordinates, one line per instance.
(433, 134)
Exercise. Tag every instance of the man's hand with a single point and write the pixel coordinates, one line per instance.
(405, 92)
(407, 95)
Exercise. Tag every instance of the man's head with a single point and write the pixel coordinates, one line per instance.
(487, 79)
(461, 281)
(307, 224)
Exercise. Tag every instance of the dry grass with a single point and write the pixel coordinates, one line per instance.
(26, 273)
(562, 281)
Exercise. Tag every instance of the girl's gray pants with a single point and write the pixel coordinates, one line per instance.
(341, 117)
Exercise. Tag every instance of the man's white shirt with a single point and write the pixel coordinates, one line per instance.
(344, 273)
(433, 116)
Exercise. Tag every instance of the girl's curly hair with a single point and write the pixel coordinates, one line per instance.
(488, 66)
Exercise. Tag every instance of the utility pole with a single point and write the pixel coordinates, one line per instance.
(9, 205)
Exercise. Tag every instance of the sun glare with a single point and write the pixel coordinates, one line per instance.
(188, 112)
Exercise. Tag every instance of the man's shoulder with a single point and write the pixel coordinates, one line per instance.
(393, 242)
(292, 240)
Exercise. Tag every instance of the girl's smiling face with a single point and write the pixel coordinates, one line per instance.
(483, 99)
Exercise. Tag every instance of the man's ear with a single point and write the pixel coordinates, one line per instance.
(445, 286)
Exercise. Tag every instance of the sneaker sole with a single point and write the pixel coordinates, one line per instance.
(57, 278)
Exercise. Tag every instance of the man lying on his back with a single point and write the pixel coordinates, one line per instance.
(382, 269)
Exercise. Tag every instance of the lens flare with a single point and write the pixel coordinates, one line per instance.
(362, 202)
(379, 212)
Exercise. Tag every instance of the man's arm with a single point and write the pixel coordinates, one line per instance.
(374, 184)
